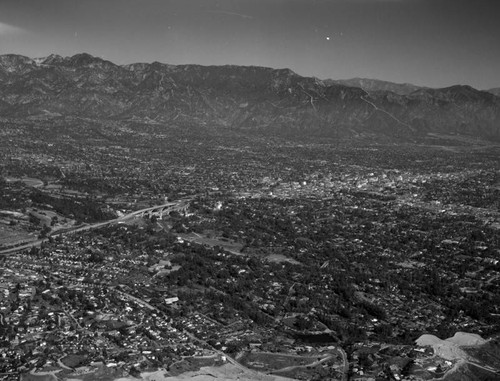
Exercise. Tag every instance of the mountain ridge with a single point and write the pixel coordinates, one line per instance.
(494, 91)
(249, 98)
(370, 85)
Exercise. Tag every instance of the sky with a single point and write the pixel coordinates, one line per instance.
(434, 43)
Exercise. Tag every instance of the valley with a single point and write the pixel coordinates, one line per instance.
(203, 236)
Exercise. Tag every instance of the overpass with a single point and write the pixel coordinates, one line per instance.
(180, 206)
(160, 210)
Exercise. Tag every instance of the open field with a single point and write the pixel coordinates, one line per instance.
(36, 377)
(29, 181)
(10, 236)
(327, 364)
(276, 362)
(227, 372)
(231, 246)
(279, 258)
(46, 217)
(17, 228)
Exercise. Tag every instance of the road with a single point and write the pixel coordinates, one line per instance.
(173, 206)
(278, 319)
(190, 335)
(460, 363)
(312, 364)
(345, 373)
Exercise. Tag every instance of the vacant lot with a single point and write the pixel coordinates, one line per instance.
(228, 245)
(271, 362)
(226, 372)
(10, 236)
(278, 258)
(29, 181)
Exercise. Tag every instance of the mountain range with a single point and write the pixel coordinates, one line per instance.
(248, 98)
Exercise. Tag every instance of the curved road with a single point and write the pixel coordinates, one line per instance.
(189, 334)
(173, 206)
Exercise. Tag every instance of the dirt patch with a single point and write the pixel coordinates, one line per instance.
(36, 377)
(449, 349)
(227, 372)
(466, 339)
(29, 181)
(279, 258)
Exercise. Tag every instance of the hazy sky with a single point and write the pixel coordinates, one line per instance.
(425, 42)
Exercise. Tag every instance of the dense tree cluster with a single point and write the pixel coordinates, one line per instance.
(81, 209)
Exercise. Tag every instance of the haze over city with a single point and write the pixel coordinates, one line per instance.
(434, 43)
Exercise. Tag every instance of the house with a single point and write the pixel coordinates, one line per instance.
(172, 300)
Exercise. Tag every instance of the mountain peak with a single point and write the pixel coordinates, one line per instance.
(52, 59)
(15, 63)
(78, 60)
(85, 59)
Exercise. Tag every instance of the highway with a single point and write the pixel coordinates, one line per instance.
(170, 205)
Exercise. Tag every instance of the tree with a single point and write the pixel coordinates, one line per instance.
(302, 323)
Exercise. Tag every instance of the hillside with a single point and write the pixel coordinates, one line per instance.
(371, 85)
(494, 91)
(252, 99)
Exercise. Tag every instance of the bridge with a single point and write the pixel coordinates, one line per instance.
(159, 211)
(180, 206)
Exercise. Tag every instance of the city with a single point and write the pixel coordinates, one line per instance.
(302, 270)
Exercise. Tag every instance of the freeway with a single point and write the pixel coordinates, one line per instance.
(170, 205)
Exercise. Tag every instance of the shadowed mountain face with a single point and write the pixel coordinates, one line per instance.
(252, 99)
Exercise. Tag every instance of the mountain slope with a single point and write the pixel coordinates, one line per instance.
(371, 85)
(246, 98)
(494, 91)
